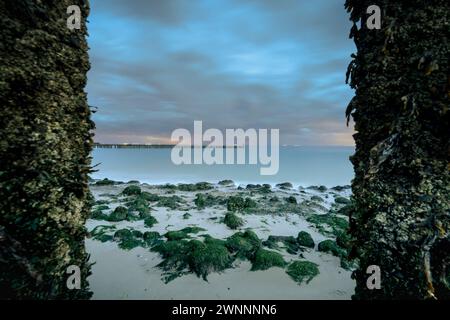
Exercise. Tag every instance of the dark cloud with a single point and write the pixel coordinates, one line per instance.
(248, 64)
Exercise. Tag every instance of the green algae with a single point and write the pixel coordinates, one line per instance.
(265, 259)
(233, 221)
(302, 271)
(304, 239)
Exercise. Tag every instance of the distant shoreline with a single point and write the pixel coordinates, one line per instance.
(146, 146)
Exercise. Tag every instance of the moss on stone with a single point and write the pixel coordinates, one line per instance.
(289, 242)
(265, 259)
(244, 244)
(304, 239)
(302, 271)
(328, 224)
(150, 221)
(194, 256)
(132, 190)
(233, 221)
(105, 182)
(120, 213)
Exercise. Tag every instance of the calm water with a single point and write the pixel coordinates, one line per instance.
(304, 166)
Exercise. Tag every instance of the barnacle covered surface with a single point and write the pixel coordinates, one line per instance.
(401, 219)
(45, 142)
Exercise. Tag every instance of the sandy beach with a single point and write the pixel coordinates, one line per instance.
(282, 211)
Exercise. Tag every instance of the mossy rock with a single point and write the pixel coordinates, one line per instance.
(304, 239)
(200, 186)
(330, 246)
(226, 183)
(132, 190)
(342, 200)
(151, 197)
(133, 182)
(186, 216)
(129, 239)
(291, 200)
(239, 204)
(102, 207)
(101, 202)
(233, 221)
(207, 257)
(265, 259)
(97, 214)
(285, 185)
(289, 242)
(171, 202)
(244, 244)
(119, 214)
(140, 205)
(105, 182)
(302, 271)
(150, 221)
(316, 198)
(194, 256)
(151, 238)
(328, 224)
(100, 233)
(318, 188)
(203, 200)
(182, 234)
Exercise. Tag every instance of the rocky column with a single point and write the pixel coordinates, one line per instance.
(401, 189)
(45, 144)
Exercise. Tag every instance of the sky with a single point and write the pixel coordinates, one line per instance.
(158, 65)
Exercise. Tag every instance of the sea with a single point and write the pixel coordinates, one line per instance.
(300, 165)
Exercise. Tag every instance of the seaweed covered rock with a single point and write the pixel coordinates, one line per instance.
(46, 140)
(285, 185)
(239, 204)
(233, 221)
(105, 182)
(226, 183)
(132, 190)
(120, 213)
(200, 258)
(290, 243)
(150, 221)
(291, 200)
(401, 193)
(304, 239)
(302, 271)
(265, 259)
(182, 234)
(244, 244)
(128, 239)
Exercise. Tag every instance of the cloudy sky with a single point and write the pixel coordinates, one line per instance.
(158, 65)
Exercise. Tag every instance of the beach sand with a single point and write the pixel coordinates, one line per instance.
(133, 274)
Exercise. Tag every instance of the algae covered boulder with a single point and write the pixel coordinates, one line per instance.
(193, 256)
(304, 239)
(233, 221)
(265, 259)
(120, 213)
(244, 244)
(150, 221)
(132, 190)
(302, 271)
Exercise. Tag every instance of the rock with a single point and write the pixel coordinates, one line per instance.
(131, 190)
(285, 185)
(233, 221)
(265, 259)
(302, 271)
(120, 213)
(304, 239)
